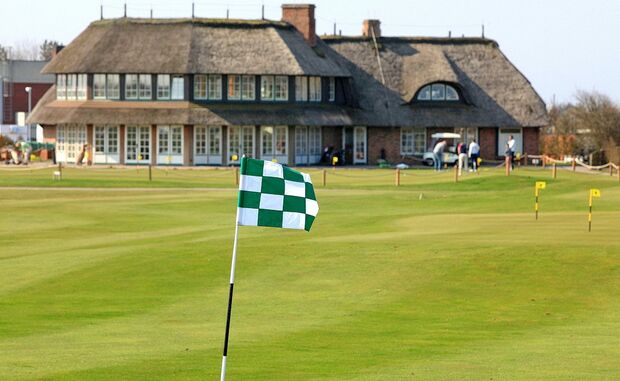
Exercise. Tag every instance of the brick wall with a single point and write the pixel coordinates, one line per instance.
(386, 139)
(20, 99)
(49, 134)
(531, 140)
(332, 137)
(301, 16)
(487, 137)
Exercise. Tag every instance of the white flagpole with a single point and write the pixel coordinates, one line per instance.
(230, 297)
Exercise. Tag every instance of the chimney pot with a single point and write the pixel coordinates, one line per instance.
(301, 16)
(369, 26)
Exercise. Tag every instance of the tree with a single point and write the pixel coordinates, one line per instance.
(4, 54)
(47, 49)
(598, 117)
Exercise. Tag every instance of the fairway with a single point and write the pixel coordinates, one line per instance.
(112, 277)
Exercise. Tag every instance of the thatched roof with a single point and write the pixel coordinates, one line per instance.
(50, 111)
(186, 46)
(497, 93)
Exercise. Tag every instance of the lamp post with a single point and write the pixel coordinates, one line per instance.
(29, 126)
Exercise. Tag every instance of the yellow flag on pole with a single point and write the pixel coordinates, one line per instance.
(541, 185)
(595, 192)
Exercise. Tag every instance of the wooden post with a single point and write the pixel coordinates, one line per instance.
(236, 173)
(150, 173)
(611, 169)
(574, 164)
(544, 161)
(525, 159)
(324, 177)
(397, 177)
(555, 171)
(60, 169)
(456, 173)
(507, 162)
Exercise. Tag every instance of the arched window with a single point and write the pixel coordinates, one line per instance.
(438, 92)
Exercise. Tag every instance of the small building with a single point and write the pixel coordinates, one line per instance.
(207, 91)
(16, 77)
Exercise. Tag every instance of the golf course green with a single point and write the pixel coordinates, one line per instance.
(106, 275)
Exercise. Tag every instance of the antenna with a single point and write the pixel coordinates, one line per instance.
(227, 13)
(125, 10)
(192, 9)
(101, 12)
(482, 30)
(151, 11)
(263, 12)
(449, 34)
(334, 28)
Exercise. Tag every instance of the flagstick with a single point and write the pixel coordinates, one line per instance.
(230, 297)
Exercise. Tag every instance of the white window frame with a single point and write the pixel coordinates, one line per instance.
(177, 87)
(71, 87)
(214, 87)
(97, 94)
(61, 86)
(301, 89)
(281, 155)
(239, 151)
(82, 86)
(357, 160)
(233, 88)
(131, 86)
(141, 148)
(201, 87)
(248, 87)
(163, 86)
(70, 138)
(267, 88)
(104, 138)
(314, 89)
(415, 134)
(113, 86)
(145, 87)
(280, 88)
(208, 157)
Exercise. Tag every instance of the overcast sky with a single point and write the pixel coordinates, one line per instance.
(560, 45)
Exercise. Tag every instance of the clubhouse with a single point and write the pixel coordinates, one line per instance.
(207, 91)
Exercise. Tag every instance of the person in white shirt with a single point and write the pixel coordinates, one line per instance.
(474, 154)
(510, 150)
(438, 154)
(461, 150)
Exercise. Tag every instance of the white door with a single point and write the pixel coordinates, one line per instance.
(240, 143)
(359, 145)
(307, 145)
(106, 145)
(207, 145)
(273, 143)
(138, 144)
(170, 145)
(70, 139)
(504, 134)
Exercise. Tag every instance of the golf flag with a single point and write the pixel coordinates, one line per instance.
(541, 185)
(275, 196)
(595, 192)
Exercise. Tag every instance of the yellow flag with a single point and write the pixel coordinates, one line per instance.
(541, 185)
(595, 192)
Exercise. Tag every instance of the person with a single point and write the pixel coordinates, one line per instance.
(438, 154)
(474, 154)
(461, 149)
(510, 151)
(25, 149)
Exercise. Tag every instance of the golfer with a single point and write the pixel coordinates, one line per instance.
(438, 154)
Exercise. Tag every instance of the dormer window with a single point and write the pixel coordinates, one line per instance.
(438, 92)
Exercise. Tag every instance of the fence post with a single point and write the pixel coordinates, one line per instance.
(60, 169)
(555, 171)
(397, 177)
(574, 164)
(236, 173)
(507, 165)
(525, 159)
(150, 173)
(544, 161)
(324, 177)
(611, 169)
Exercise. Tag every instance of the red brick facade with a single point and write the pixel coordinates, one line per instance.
(487, 139)
(20, 99)
(301, 16)
(385, 139)
(531, 141)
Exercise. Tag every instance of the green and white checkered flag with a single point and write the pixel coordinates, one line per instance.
(275, 196)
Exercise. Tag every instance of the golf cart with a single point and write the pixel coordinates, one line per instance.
(449, 154)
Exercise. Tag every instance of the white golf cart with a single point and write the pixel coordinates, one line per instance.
(449, 154)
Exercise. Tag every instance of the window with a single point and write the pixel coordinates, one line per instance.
(61, 86)
(240, 141)
(145, 87)
(248, 86)
(178, 88)
(266, 88)
(412, 141)
(281, 88)
(315, 89)
(200, 86)
(163, 86)
(468, 134)
(301, 89)
(266, 136)
(82, 86)
(215, 87)
(71, 86)
(214, 140)
(131, 86)
(438, 92)
(332, 89)
(234, 87)
(113, 87)
(99, 86)
(273, 141)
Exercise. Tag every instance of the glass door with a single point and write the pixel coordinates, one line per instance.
(359, 144)
(170, 145)
(70, 140)
(240, 142)
(207, 145)
(307, 145)
(138, 144)
(106, 145)
(273, 143)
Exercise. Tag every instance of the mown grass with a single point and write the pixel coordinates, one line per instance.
(432, 280)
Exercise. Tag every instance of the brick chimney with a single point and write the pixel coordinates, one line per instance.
(301, 16)
(371, 25)
(56, 50)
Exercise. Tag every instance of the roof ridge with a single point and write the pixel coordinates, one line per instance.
(196, 21)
